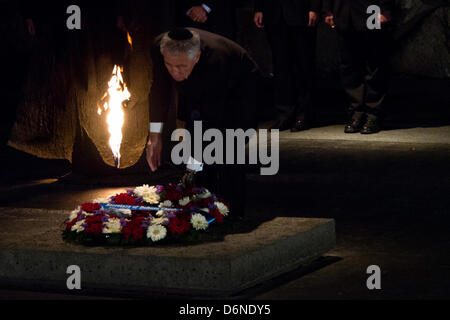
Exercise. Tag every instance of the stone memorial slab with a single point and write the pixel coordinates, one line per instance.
(32, 252)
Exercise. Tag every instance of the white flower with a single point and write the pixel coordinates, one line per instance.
(160, 213)
(183, 202)
(112, 226)
(149, 194)
(78, 226)
(199, 222)
(204, 195)
(101, 200)
(166, 204)
(159, 221)
(222, 208)
(156, 232)
(74, 214)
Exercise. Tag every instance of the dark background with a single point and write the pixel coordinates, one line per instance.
(389, 198)
(52, 80)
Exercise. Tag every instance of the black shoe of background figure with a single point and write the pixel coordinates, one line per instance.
(300, 125)
(354, 125)
(371, 126)
(281, 124)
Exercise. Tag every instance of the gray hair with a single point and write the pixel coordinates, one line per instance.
(190, 46)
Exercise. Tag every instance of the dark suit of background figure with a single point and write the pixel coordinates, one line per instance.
(148, 17)
(49, 19)
(221, 19)
(98, 20)
(293, 46)
(220, 92)
(364, 53)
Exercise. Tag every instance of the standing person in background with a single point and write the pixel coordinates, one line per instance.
(290, 26)
(146, 17)
(47, 21)
(364, 59)
(216, 16)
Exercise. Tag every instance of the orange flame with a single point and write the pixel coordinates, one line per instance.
(117, 93)
(130, 40)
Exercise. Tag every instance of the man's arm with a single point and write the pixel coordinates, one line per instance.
(386, 10)
(316, 6)
(209, 5)
(161, 87)
(199, 10)
(327, 6)
(159, 100)
(28, 11)
(386, 6)
(258, 16)
(314, 12)
(258, 7)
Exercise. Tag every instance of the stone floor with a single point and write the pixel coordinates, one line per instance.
(387, 193)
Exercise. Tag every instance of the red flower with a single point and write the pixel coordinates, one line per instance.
(172, 194)
(94, 228)
(90, 207)
(217, 215)
(134, 229)
(125, 198)
(94, 219)
(179, 225)
(189, 191)
(94, 225)
(203, 203)
(70, 224)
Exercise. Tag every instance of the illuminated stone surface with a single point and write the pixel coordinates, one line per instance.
(32, 253)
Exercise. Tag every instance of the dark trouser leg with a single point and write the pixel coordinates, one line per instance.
(282, 51)
(352, 69)
(304, 39)
(377, 55)
(227, 182)
(232, 187)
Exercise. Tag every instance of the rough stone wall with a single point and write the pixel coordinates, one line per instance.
(61, 92)
(137, 73)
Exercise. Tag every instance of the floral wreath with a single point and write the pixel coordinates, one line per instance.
(146, 215)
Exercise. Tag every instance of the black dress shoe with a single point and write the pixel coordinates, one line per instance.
(355, 125)
(371, 126)
(299, 125)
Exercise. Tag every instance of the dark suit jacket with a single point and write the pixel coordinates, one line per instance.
(294, 12)
(353, 13)
(219, 90)
(221, 19)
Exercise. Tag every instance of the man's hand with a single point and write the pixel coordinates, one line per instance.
(329, 20)
(313, 19)
(258, 19)
(384, 18)
(198, 14)
(154, 148)
(30, 27)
